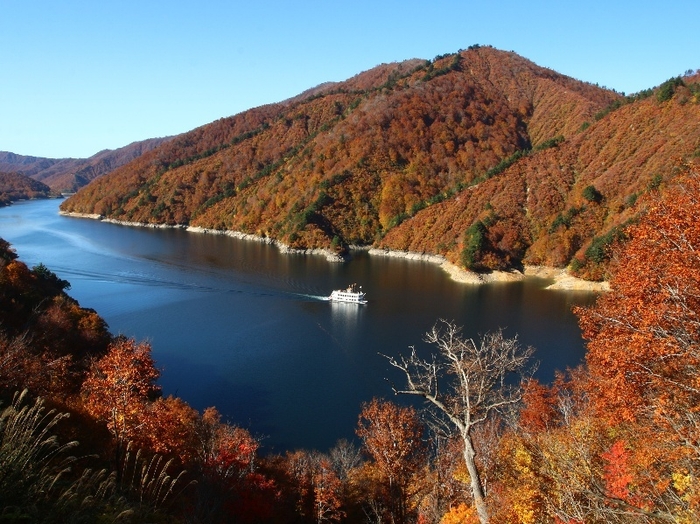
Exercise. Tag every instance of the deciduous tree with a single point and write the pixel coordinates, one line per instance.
(465, 383)
(644, 336)
(393, 437)
(118, 386)
(231, 484)
(644, 356)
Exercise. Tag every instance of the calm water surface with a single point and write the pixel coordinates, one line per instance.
(237, 325)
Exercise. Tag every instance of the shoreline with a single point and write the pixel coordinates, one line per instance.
(563, 281)
(284, 248)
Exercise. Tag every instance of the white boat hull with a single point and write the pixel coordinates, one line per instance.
(348, 296)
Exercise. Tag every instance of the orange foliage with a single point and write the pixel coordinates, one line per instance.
(539, 407)
(613, 442)
(442, 143)
(351, 159)
(170, 427)
(118, 387)
(392, 436)
(642, 343)
(461, 514)
(46, 338)
(538, 201)
(15, 186)
(327, 494)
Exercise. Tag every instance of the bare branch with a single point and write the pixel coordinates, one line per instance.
(481, 379)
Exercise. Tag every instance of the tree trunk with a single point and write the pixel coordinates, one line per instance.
(477, 490)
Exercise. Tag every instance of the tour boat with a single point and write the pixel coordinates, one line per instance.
(352, 294)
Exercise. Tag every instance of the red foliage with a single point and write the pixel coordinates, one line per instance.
(539, 407)
(119, 386)
(617, 474)
(227, 459)
(642, 346)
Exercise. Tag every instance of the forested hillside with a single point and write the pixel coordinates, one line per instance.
(346, 163)
(565, 203)
(14, 186)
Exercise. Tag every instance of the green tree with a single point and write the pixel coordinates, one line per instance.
(591, 194)
(474, 244)
(668, 88)
(49, 277)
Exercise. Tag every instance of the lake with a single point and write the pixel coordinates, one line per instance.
(237, 325)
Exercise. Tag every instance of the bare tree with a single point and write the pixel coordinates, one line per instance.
(345, 457)
(464, 383)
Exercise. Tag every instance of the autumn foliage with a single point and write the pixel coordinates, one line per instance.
(393, 437)
(652, 314)
(118, 387)
(15, 186)
(156, 448)
(480, 156)
(614, 440)
(565, 204)
(351, 160)
(66, 174)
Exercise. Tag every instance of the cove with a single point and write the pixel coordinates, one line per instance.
(239, 325)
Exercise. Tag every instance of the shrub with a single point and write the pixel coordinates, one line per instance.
(48, 277)
(655, 182)
(599, 250)
(591, 194)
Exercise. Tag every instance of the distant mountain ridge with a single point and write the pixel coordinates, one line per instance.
(480, 156)
(70, 174)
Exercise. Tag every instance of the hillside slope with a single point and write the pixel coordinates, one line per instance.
(347, 162)
(15, 186)
(70, 174)
(564, 203)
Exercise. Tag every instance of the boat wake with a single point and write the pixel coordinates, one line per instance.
(139, 278)
(313, 297)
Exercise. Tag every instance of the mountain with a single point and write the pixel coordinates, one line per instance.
(15, 186)
(481, 156)
(566, 203)
(70, 174)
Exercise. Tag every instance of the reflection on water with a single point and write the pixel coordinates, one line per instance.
(238, 325)
(346, 315)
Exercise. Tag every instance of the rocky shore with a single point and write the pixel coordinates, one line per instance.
(562, 279)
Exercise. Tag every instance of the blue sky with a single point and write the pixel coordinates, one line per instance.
(77, 77)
